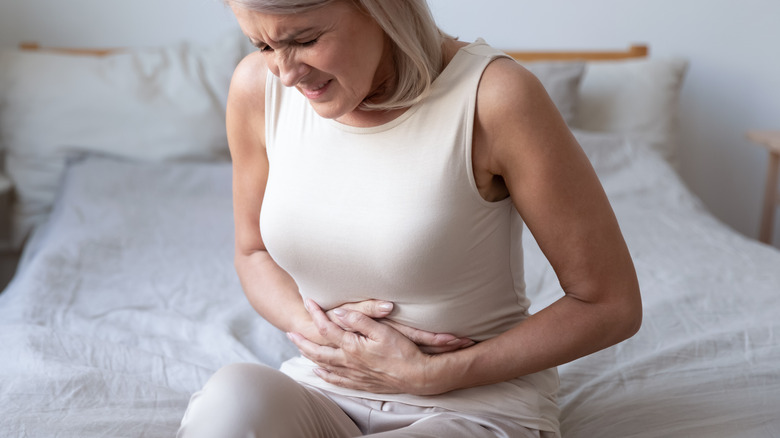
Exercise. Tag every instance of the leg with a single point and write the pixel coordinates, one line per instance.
(398, 420)
(439, 425)
(251, 400)
(456, 426)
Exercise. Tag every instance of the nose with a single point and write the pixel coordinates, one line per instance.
(291, 69)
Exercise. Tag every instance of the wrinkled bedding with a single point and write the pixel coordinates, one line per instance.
(127, 301)
(706, 362)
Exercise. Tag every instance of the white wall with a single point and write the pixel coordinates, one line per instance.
(112, 23)
(733, 84)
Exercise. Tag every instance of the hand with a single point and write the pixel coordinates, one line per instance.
(375, 309)
(428, 342)
(369, 356)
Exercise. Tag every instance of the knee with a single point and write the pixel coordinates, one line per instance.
(247, 382)
(238, 399)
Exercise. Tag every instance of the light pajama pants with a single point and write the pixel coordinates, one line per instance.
(251, 400)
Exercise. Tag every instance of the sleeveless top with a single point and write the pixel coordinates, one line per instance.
(392, 212)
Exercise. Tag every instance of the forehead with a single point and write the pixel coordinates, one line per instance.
(265, 27)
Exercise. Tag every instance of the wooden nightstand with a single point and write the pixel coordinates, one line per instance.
(771, 141)
(9, 256)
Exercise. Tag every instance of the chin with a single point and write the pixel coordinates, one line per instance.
(327, 111)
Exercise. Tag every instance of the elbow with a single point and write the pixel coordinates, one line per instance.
(242, 263)
(628, 318)
(239, 260)
(242, 257)
(633, 323)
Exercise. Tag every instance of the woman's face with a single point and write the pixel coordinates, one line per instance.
(337, 56)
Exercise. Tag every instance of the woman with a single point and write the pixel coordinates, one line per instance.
(383, 161)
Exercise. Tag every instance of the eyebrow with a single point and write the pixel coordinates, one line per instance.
(290, 37)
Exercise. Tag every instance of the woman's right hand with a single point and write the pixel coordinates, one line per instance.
(428, 342)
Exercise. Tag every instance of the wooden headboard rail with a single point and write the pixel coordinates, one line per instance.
(67, 51)
(634, 51)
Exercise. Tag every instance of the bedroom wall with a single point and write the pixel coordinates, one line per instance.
(731, 86)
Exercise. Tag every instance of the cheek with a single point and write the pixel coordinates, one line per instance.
(350, 66)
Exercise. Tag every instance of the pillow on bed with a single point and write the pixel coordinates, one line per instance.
(636, 97)
(627, 165)
(151, 104)
(562, 80)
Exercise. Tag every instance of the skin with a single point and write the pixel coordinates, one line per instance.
(521, 147)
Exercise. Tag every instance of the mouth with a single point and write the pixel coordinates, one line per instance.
(315, 91)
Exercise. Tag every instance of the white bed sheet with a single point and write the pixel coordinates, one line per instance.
(127, 302)
(706, 362)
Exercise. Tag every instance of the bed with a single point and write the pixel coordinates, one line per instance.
(125, 299)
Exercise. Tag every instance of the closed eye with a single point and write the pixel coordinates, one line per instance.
(266, 48)
(263, 47)
(309, 43)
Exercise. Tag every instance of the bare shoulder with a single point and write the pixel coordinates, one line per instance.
(508, 92)
(514, 113)
(249, 76)
(246, 100)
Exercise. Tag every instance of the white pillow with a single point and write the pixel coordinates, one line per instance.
(151, 104)
(562, 80)
(628, 166)
(636, 97)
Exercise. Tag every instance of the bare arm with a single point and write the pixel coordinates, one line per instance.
(522, 147)
(525, 148)
(267, 286)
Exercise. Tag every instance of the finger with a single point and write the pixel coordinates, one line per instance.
(372, 308)
(319, 354)
(426, 338)
(376, 309)
(336, 377)
(336, 320)
(358, 322)
(464, 343)
(330, 331)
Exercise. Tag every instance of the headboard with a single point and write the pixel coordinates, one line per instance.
(634, 51)
(73, 51)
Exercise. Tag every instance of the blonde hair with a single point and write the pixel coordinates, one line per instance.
(416, 41)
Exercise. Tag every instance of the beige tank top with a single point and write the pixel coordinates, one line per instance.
(392, 212)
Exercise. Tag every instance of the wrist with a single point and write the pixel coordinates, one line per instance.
(304, 325)
(438, 374)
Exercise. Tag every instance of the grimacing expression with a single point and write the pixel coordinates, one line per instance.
(337, 55)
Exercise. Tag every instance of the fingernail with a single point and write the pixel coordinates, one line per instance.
(455, 341)
(386, 306)
(339, 312)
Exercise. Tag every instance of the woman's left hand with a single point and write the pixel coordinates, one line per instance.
(370, 356)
